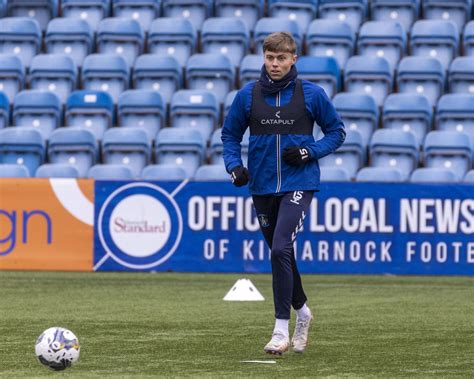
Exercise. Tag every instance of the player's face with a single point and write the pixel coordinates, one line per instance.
(278, 64)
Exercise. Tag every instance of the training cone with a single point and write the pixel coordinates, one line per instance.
(243, 290)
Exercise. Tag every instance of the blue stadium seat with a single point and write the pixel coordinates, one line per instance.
(394, 148)
(406, 12)
(12, 75)
(180, 146)
(172, 36)
(105, 72)
(70, 36)
(4, 110)
(3, 8)
(455, 113)
(57, 170)
(330, 38)
(164, 172)
(216, 147)
(22, 146)
(158, 73)
(92, 110)
(195, 108)
(383, 39)
(212, 172)
(211, 72)
(301, 11)
(110, 172)
(74, 146)
(142, 108)
(53, 72)
(351, 11)
(122, 36)
(433, 175)
(90, 11)
(20, 36)
(461, 75)
(334, 174)
(358, 112)
(370, 75)
(229, 99)
(127, 146)
(40, 10)
(195, 11)
(268, 25)
(13, 171)
(144, 11)
(469, 177)
(436, 39)
(421, 75)
(225, 35)
(379, 174)
(457, 11)
(247, 10)
(323, 71)
(250, 68)
(468, 39)
(39, 109)
(408, 112)
(351, 155)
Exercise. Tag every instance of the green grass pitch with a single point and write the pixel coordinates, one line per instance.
(177, 325)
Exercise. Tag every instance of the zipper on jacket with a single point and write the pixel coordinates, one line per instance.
(278, 144)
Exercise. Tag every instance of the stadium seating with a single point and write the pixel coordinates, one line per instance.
(70, 36)
(3, 8)
(122, 36)
(105, 72)
(404, 11)
(142, 108)
(216, 147)
(53, 72)
(379, 174)
(12, 75)
(110, 172)
(454, 112)
(358, 112)
(194, 10)
(461, 75)
(323, 71)
(20, 36)
(74, 146)
(195, 108)
(268, 25)
(247, 10)
(334, 174)
(370, 75)
(212, 172)
(157, 73)
(143, 11)
(301, 11)
(164, 172)
(468, 39)
(421, 75)
(330, 38)
(93, 110)
(469, 177)
(13, 171)
(39, 109)
(351, 11)
(90, 11)
(127, 146)
(383, 39)
(225, 35)
(172, 36)
(40, 10)
(250, 68)
(57, 170)
(229, 99)
(180, 146)
(351, 155)
(4, 110)
(22, 146)
(433, 175)
(408, 112)
(436, 39)
(448, 149)
(457, 11)
(211, 72)
(394, 148)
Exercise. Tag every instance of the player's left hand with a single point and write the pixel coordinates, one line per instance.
(296, 155)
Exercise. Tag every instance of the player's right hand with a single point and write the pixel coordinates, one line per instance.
(240, 176)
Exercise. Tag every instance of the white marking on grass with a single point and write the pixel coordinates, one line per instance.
(262, 362)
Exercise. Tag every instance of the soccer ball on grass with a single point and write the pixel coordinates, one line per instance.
(57, 348)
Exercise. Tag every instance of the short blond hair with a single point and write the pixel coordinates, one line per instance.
(280, 42)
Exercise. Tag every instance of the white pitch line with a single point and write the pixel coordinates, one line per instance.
(262, 362)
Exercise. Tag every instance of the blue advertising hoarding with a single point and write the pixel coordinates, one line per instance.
(354, 228)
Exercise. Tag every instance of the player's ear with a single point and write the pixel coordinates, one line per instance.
(295, 58)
